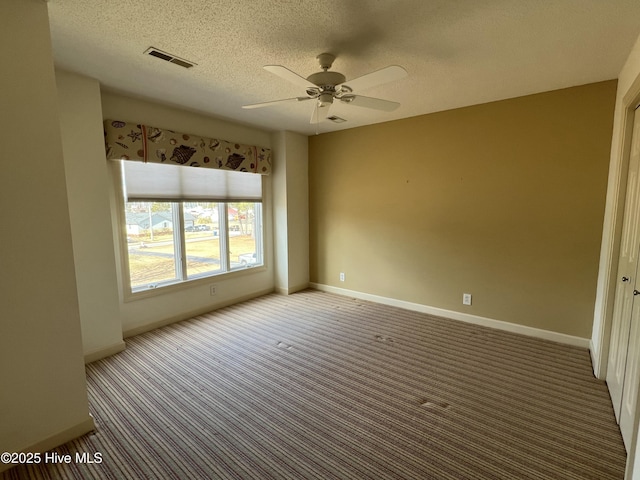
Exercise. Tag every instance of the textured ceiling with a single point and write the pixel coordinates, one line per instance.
(457, 52)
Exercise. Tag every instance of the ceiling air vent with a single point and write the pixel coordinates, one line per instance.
(154, 52)
(336, 119)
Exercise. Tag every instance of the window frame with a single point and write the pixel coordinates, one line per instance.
(182, 281)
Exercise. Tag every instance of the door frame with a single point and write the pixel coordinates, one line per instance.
(610, 248)
(612, 231)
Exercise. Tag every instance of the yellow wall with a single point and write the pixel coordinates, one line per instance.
(503, 200)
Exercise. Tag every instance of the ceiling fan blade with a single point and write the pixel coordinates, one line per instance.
(275, 102)
(288, 75)
(320, 113)
(369, 102)
(384, 75)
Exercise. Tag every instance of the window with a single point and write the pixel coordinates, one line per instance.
(186, 223)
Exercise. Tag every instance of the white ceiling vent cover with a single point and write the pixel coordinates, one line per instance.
(154, 52)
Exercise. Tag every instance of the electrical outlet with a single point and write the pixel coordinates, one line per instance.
(466, 299)
(213, 290)
(342, 276)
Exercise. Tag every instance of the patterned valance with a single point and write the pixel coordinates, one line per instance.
(130, 141)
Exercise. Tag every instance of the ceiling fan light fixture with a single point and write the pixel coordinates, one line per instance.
(325, 99)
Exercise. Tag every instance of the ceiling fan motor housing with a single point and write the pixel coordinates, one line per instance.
(325, 79)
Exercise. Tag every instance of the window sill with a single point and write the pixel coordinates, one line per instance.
(169, 288)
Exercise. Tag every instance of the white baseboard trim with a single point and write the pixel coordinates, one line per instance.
(58, 439)
(291, 290)
(595, 361)
(104, 352)
(463, 317)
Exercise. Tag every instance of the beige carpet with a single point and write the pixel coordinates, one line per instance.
(319, 386)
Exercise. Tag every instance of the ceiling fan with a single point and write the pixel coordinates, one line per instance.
(326, 86)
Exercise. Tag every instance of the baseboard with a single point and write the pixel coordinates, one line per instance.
(292, 290)
(131, 332)
(595, 361)
(58, 439)
(463, 317)
(101, 353)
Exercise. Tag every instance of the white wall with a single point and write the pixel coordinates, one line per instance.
(43, 399)
(89, 209)
(187, 300)
(291, 211)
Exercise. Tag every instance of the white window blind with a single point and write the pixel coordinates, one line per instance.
(162, 182)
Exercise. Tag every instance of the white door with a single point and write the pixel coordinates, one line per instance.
(624, 352)
(631, 376)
